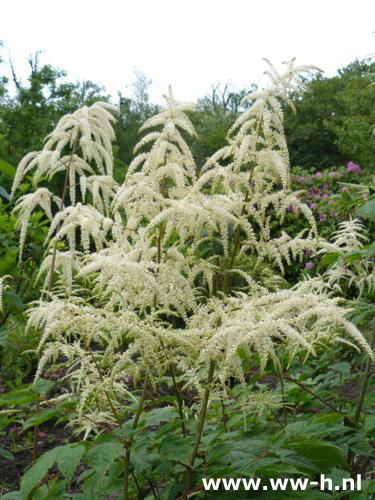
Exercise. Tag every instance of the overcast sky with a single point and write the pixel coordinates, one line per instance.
(190, 44)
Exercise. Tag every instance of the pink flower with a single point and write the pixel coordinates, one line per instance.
(331, 202)
(309, 265)
(353, 167)
(344, 190)
(322, 217)
(334, 214)
(313, 205)
(325, 196)
(318, 174)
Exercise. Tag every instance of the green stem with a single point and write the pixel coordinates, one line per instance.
(225, 416)
(110, 402)
(198, 435)
(237, 238)
(129, 443)
(179, 401)
(323, 401)
(362, 393)
(366, 376)
(280, 369)
(177, 391)
(36, 432)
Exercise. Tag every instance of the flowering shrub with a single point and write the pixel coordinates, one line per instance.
(160, 275)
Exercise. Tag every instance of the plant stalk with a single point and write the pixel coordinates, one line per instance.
(366, 376)
(198, 435)
(323, 401)
(129, 443)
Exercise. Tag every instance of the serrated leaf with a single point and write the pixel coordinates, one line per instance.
(276, 470)
(102, 456)
(158, 415)
(37, 471)
(175, 448)
(342, 367)
(17, 397)
(68, 458)
(319, 453)
(39, 418)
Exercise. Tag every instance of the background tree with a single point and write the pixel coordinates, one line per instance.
(214, 115)
(37, 106)
(334, 119)
(133, 112)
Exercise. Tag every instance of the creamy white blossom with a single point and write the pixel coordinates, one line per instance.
(358, 272)
(43, 198)
(186, 262)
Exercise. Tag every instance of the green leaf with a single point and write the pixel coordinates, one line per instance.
(319, 453)
(342, 367)
(276, 470)
(367, 210)
(6, 454)
(18, 397)
(43, 386)
(37, 471)
(3, 337)
(14, 299)
(13, 495)
(175, 448)
(370, 250)
(102, 456)
(158, 415)
(7, 169)
(39, 418)
(328, 259)
(4, 193)
(68, 458)
(370, 423)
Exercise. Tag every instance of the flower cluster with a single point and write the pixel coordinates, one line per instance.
(80, 144)
(174, 277)
(359, 272)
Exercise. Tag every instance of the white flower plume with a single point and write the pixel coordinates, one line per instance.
(359, 272)
(185, 265)
(90, 221)
(26, 204)
(89, 128)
